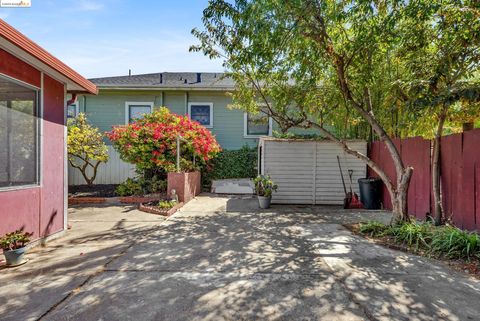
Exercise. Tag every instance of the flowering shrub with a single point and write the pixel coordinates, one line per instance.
(151, 142)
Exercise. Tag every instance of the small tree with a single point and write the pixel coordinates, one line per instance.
(86, 149)
(151, 142)
(324, 64)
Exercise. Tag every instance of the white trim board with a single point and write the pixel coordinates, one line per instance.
(245, 124)
(190, 104)
(136, 103)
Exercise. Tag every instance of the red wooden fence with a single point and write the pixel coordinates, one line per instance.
(460, 178)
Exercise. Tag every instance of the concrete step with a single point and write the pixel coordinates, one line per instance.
(233, 186)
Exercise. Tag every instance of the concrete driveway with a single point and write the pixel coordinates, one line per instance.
(223, 259)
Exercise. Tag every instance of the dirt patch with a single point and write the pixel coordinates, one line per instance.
(102, 190)
(470, 267)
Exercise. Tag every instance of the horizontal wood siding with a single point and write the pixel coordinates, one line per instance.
(307, 172)
(108, 109)
(115, 171)
(227, 122)
(290, 165)
(329, 187)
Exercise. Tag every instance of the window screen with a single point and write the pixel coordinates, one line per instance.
(137, 111)
(201, 114)
(258, 125)
(18, 134)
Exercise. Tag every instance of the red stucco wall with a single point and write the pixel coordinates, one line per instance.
(39, 209)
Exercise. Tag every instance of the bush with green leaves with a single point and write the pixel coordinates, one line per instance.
(455, 243)
(167, 204)
(264, 186)
(374, 228)
(442, 241)
(241, 163)
(15, 240)
(412, 234)
(86, 148)
(142, 186)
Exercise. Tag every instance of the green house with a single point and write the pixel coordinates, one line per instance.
(202, 96)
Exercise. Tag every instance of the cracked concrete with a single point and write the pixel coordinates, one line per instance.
(222, 258)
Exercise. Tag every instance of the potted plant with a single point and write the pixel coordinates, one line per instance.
(14, 245)
(264, 187)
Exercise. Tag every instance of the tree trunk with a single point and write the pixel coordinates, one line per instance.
(400, 197)
(437, 199)
(398, 193)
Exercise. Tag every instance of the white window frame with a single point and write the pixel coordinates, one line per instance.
(189, 112)
(130, 103)
(245, 127)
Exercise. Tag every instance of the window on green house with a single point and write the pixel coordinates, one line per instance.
(256, 125)
(202, 113)
(134, 110)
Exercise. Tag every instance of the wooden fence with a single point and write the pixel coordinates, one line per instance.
(460, 178)
(115, 171)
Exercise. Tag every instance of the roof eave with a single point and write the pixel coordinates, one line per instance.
(157, 88)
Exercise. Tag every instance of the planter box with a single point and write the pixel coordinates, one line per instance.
(186, 185)
(159, 211)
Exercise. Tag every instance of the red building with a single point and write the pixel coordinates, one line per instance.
(33, 177)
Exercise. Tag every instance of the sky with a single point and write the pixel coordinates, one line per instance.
(108, 37)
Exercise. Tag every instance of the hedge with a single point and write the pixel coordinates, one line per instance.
(241, 163)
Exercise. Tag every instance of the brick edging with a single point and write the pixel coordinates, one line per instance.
(155, 210)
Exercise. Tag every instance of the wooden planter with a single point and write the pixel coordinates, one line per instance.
(186, 185)
(152, 209)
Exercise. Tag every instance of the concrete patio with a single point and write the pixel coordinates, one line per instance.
(221, 258)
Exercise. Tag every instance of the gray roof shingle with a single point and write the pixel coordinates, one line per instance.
(168, 80)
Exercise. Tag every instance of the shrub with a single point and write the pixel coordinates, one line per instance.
(166, 204)
(455, 243)
(241, 163)
(141, 186)
(151, 142)
(413, 233)
(447, 241)
(129, 187)
(14, 240)
(86, 149)
(373, 228)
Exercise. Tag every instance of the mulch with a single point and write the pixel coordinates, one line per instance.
(470, 267)
(102, 190)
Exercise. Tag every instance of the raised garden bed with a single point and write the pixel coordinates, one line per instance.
(153, 208)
